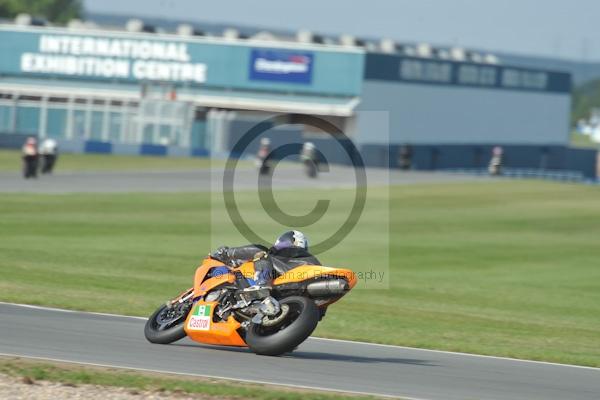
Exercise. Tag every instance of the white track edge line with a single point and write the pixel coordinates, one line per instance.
(333, 340)
(339, 391)
(462, 354)
(63, 310)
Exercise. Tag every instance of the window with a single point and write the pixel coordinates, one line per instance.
(56, 124)
(28, 120)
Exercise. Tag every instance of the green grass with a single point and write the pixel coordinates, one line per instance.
(159, 383)
(500, 268)
(10, 160)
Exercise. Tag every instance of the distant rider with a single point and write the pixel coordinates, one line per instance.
(49, 153)
(310, 159)
(289, 251)
(263, 157)
(30, 158)
(495, 166)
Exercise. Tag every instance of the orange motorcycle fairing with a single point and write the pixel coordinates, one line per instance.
(199, 326)
(247, 269)
(202, 286)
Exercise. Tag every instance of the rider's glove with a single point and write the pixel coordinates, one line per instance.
(259, 256)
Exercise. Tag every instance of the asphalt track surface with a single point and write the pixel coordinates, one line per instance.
(245, 178)
(118, 341)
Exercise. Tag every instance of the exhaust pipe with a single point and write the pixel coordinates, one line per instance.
(330, 287)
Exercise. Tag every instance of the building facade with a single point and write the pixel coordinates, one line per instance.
(100, 90)
(451, 114)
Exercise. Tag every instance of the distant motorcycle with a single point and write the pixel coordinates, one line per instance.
(263, 157)
(495, 166)
(223, 309)
(309, 159)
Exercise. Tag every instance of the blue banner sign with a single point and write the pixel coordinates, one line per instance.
(281, 66)
(442, 72)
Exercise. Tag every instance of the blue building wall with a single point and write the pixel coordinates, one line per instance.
(303, 68)
(453, 113)
(397, 68)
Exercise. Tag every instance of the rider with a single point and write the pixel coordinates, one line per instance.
(289, 251)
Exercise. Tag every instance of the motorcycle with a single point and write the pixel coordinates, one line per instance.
(223, 309)
(309, 159)
(263, 158)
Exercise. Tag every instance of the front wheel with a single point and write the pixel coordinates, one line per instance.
(166, 324)
(298, 319)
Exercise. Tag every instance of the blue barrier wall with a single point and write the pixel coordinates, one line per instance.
(153, 150)
(475, 157)
(92, 146)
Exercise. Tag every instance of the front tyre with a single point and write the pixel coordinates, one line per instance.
(300, 320)
(166, 324)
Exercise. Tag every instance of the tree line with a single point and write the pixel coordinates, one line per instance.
(57, 11)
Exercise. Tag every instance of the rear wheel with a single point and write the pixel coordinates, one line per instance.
(310, 169)
(283, 333)
(265, 168)
(166, 324)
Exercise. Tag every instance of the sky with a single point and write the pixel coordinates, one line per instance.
(555, 28)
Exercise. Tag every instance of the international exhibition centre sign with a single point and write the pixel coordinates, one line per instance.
(85, 56)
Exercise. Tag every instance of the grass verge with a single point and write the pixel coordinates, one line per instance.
(502, 268)
(10, 160)
(73, 374)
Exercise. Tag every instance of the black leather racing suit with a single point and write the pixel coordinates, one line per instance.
(268, 263)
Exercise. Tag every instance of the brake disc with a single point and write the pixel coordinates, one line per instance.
(272, 321)
(172, 314)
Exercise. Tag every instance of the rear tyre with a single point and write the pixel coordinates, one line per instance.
(166, 324)
(301, 320)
